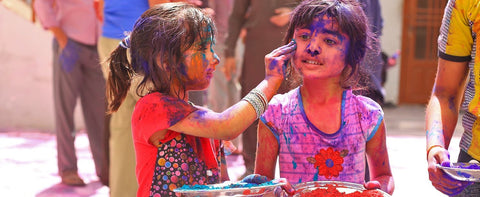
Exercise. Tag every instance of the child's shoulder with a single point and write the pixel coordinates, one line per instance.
(157, 97)
(285, 98)
(150, 96)
(362, 102)
(163, 101)
(283, 103)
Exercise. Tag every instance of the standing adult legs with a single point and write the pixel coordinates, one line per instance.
(65, 93)
(93, 101)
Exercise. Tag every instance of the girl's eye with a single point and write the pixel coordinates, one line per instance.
(304, 36)
(330, 41)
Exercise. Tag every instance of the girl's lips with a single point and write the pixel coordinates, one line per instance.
(311, 62)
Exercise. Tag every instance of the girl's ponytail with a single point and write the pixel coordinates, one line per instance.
(119, 77)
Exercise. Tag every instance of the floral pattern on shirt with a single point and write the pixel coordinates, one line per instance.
(328, 162)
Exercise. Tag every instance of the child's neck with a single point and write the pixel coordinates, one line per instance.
(181, 94)
(321, 94)
(322, 105)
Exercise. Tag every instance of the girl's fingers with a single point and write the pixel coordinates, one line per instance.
(277, 60)
(281, 50)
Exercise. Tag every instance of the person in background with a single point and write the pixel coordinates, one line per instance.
(223, 93)
(456, 88)
(373, 63)
(118, 18)
(390, 62)
(265, 24)
(177, 142)
(321, 131)
(76, 74)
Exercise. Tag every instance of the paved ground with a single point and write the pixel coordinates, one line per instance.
(28, 160)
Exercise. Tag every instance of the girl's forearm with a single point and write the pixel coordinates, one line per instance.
(230, 123)
(440, 122)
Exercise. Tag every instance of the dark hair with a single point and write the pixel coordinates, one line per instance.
(351, 20)
(157, 43)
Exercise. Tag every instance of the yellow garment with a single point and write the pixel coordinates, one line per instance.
(458, 36)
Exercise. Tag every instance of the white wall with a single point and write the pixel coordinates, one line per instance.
(392, 12)
(26, 100)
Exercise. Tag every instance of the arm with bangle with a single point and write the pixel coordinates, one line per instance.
(233, 121)
(441, 119)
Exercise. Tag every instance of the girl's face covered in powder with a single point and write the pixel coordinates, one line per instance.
(199, 65)
(321, 49)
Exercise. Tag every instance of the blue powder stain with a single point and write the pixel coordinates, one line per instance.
(144, 64)
(329, 163)
(183, 69)
(200, 113)
(273, 64)
(315, 177)
(230, 186)
(463, 174)
(294, 164)
(204, 60)
(470, 166)
(287, 140)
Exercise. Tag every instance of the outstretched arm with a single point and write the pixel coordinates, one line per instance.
(441, 119)
(233, 121)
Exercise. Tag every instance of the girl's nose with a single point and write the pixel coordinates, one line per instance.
(313, 48)
(313, 53)
(216, 59)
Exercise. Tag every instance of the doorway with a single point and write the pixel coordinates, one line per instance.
(421, 26)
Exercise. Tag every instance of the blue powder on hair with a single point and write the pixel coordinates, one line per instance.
(228, 186)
